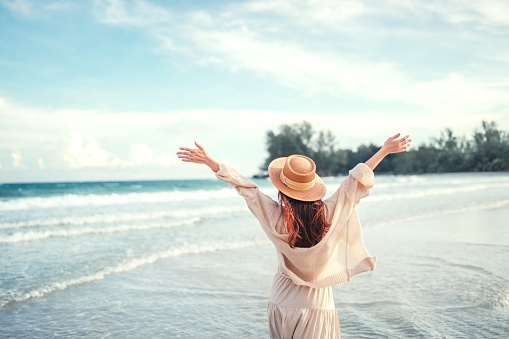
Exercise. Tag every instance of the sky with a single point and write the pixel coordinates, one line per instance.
(109, 89)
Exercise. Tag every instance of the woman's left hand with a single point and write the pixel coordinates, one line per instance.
(198, 156)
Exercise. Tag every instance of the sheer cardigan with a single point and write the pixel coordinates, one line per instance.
(340, 254)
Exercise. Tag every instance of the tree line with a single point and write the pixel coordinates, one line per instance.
(486, 150)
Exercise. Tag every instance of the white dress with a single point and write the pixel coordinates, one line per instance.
(299, 311)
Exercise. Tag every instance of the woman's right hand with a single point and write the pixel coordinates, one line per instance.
(198, 156)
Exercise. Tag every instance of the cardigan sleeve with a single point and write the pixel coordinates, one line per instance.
(263, 207)
(356, 186)
(365, 181)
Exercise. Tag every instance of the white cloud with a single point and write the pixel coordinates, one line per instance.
(116, 147)
(169, 44)
(143, 138)
(237, 37)
(144, 155)
(165, 159)
(41, 164)
(84, 151)
(485, 13)
(291, 64)
(310, 13)
(21, 7)
(42, 9)
(319, 72)
(61, 6)
(16, 159)
(338, 14)
(137, 12)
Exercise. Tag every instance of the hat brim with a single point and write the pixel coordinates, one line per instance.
(317, 192)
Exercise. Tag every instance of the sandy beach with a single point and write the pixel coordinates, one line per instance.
(442, 276)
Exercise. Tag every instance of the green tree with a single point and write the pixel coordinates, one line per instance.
(324, 153)
(422, 160)
(291, 139)
(490, 149)
(301, 139)
(451, 152)
(487, 151)
(363, 153)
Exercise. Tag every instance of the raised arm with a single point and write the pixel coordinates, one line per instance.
(198, 156)
(266, 210)
(391, 145)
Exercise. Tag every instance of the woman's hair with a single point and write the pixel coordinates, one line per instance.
(306, 222)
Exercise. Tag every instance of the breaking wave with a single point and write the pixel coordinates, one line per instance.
(38, 235)
(128, 266)
(124, 217)
(75, 200)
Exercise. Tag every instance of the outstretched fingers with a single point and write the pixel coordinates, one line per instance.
(395, 136)
(404, 143)
(190, 158)
(187, 154)
(199, 146)
(403, 139)
(198, 156)
(189, 149)
(184, 154)
(406, 140)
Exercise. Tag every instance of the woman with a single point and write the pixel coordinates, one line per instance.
(318, 242)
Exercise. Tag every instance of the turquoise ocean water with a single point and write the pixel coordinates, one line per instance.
(185, 259)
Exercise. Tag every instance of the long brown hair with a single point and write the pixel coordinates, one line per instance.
(305, 221)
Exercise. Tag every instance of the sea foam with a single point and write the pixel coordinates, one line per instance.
(437, 213)
(119, 217)
(129, 266)
(74, 200)
(39, 235)
(432, 192)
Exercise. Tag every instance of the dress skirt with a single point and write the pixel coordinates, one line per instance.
(297, 311)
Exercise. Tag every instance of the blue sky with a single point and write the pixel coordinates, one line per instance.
(108, 89)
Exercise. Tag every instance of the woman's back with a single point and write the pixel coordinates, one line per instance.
(305, 221)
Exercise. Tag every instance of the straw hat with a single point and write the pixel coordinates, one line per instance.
(296, 177)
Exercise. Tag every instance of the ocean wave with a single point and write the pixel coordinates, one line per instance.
(439, 191)
(39, 235)
(76, 200)
(449, 178)
(129, 266)
(123, 217)
(477, 207)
